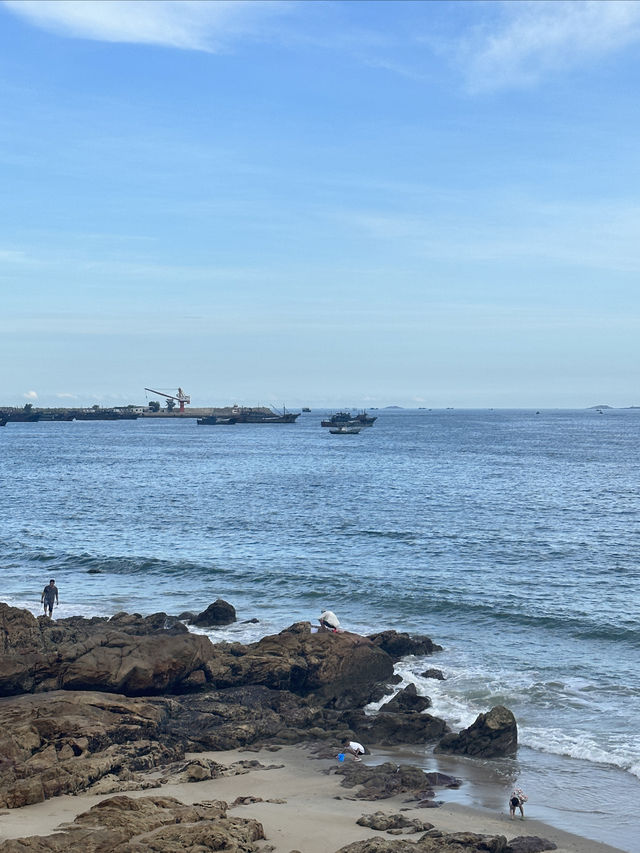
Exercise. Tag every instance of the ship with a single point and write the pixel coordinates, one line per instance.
(103, 415)
(214, 420)
(243, 415)
(347, 419)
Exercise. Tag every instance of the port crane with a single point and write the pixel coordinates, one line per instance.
(179, 396)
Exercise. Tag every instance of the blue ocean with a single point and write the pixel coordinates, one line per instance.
(512, 538)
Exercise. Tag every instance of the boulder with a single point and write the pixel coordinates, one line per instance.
(407, 700)
(399, 645)
(433, 673)
(392, 728)
(529, 844)
(217, 614)
(337, 670)
(385, 822)
(492, 735)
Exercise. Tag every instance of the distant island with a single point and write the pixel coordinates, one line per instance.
(601, 407)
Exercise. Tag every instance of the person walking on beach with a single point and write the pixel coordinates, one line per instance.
(516, 801)
(49, 595)
(354, 749)
(329, 621)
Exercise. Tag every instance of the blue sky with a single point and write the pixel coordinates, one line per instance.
(320, 203)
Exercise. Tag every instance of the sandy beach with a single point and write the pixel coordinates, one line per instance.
(304, 807)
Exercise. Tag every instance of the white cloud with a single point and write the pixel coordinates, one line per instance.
(534, 39)
(601, 236)
(187, 24)
(30, 395)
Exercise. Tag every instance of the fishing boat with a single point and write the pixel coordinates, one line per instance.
(214, 420)
(347, 419)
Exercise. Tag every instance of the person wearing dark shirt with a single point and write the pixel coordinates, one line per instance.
(49, 596)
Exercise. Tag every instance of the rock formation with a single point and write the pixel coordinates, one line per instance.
(492, 735)
(125, 825)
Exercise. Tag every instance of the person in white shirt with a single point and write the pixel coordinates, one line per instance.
(354, 748)
(329, 621)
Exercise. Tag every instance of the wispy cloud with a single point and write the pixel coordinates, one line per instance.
(186, 24)
(30, 395)
(600, 236)
(529, 40)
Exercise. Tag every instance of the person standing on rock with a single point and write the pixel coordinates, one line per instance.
(49, 596)
(516, 801)
(329, 621)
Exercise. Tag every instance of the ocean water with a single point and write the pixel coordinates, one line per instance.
(512, 538)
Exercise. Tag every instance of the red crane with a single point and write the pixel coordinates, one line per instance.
(179, 396)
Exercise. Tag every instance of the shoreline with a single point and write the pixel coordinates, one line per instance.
(303, 806)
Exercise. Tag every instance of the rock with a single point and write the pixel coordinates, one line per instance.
(407, 700)
(529, 844)
(400, 645)
(216, 614)
(64, 742)
(492, 735)
(433, 673)
(391, 728)
(336, 670)
(383, 780)
(388, 822)
(164, 823)
(127, 654)
(432, 842)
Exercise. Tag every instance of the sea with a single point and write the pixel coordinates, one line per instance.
(510, 537)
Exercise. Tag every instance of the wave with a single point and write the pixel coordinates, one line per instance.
(581, 747)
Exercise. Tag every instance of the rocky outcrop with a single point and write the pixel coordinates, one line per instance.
(157, 655)
(217, 614)
(394, 824)
(399, 645)
(530, 844)
(82, 723)
(63, 742)
(492, 735)
(407, 700)
(126, 654)
(432, 841)
(125, 825)
(392, 728)
(386, 780)
(337, 670)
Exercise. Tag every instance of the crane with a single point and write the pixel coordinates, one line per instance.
(180, 396)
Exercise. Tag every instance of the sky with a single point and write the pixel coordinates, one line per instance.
(320, 203)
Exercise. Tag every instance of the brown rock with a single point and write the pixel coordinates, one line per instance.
(125, 825)
(399, 645)
(216, 614)
(407, 700)
(492, 735)
(389, 729)
(529, 844)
